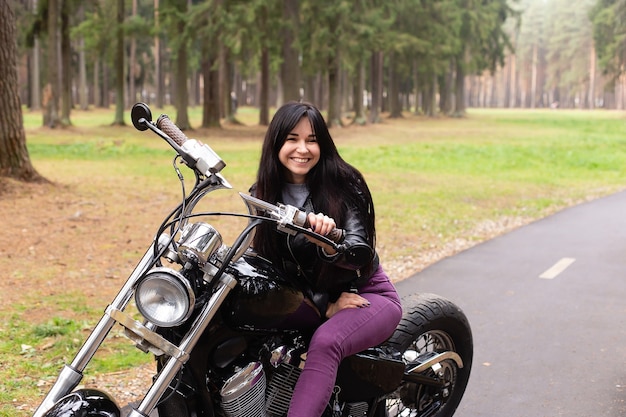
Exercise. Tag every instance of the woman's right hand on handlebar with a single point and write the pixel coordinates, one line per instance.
(322, 225)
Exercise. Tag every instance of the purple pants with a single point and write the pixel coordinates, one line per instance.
(349, 331)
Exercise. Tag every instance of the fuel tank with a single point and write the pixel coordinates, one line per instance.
(266, 299)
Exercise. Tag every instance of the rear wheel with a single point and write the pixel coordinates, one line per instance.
(431, 324)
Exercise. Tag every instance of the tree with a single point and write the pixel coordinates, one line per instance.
(290, 67)
(53, 17)
(424, 51)
(255, 41)
(530, 46)
(119, 65)
(82, 68)
(483, 42)
(14, 158)
(609, 33)
(178, 28)
(35, 73)
(569, 40)
(67, 9)
(51, 94)
(411, 44)
(98, 32)
(265, 29)
(205, 17)
(336, 40)
(158, 66)
(401, 53)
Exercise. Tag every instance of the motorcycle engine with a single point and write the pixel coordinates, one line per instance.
(243, 394)
(248, 393)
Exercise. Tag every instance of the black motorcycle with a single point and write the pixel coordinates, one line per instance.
(217, 319)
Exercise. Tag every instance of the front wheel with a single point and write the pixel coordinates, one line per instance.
(431, 324)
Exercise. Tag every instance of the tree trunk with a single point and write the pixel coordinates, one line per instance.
(444, 88)
(182, 92)
(158, 76)
(34, 70)
(430, 99)
(416, 88)
(211, 107)
(194, 91)
(263, 98)
(334, 110)
(290, 67)
(459, 90)
(226, 85)
(264, 114)
(313, 90)
(82, 74)
(513, 82)
(395, 106)
(50, 96)
(533, 78)
(66, 65)
(97, 86)
(358, 88)
(105, 90)
(34, 75)
(14, 159)
(132, 63)
(119, 66)
(377, 87)
(592, 78)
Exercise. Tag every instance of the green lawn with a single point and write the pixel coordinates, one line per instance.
(437, 178)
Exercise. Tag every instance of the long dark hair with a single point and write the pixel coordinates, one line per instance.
(333, 183)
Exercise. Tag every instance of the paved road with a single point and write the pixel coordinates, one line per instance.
(551, 346)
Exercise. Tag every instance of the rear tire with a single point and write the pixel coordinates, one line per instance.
(431, 323)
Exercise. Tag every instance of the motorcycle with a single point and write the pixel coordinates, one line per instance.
(219, 321)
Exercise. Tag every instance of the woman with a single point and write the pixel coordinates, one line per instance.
(357, 304)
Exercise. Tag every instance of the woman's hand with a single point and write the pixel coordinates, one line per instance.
(346, 300)
(323, 225)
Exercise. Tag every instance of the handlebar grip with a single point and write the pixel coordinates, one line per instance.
(300, 218)
(170, 129)
(336, 235)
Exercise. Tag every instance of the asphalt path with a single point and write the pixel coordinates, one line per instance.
(547, 306)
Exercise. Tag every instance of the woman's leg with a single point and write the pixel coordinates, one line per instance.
(349, 331)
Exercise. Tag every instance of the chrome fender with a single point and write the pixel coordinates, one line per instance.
(85, 403)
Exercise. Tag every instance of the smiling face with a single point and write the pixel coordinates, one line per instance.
(300, 152)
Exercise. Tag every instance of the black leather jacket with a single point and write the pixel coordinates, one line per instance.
(329, 275)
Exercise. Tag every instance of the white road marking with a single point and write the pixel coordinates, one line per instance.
(557, 268)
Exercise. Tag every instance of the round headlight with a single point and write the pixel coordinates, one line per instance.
(165, 297)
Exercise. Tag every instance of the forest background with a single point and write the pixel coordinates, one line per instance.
(357, 57)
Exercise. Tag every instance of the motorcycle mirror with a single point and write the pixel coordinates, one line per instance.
(141, 116)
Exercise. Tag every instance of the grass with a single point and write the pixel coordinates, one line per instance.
(434, 181)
